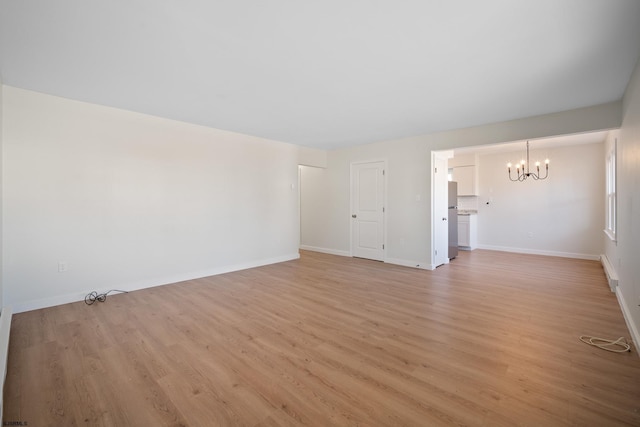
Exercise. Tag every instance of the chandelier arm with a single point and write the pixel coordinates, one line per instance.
(546, 174)
(522, 176)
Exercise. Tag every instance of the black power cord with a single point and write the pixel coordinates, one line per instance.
(94, 296)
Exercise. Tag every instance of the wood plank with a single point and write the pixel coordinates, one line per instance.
(490, 339)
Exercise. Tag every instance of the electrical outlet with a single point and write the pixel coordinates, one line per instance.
(62, 266)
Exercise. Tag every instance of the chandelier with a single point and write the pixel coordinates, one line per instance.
(522, 174)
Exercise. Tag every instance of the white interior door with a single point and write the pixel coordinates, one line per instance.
(367, 210)
(440, 213)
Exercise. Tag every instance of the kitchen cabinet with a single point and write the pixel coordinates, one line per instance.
(465, 176)
(467, 232)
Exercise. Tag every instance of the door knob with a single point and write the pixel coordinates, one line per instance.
(444, 219)
(354, 216)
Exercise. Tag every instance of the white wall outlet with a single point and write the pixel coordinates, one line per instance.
(62, 266)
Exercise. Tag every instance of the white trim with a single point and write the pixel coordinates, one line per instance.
(402, 262)
(134, 286)
(385, 167)
(611, 224)
(626, 313)
(409, 263)
(325, 250)
(5, 331)
(610, 272)
(540, 252)
(610, 235)
(433, 207)
(448, 154)
(299, 204)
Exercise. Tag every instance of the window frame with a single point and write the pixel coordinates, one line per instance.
(611, 190)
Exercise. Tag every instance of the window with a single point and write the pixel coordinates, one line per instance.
(610, 229)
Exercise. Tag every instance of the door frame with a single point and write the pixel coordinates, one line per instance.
(448, 154)
(384, 203)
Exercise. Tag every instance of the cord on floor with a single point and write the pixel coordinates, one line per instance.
(617, 346)
(93, 296)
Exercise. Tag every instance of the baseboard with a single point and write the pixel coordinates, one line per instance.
(610, 272)
(626, 313)
(324, 250)
(134, 286)
(402, 262)
(409, 263)
(540, 252)
(5, 331)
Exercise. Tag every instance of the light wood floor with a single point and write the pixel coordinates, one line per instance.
(489, 340)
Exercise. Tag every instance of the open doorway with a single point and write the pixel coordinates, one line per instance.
(440, 223)
(562, 215)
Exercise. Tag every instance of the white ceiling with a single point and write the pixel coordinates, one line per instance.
(328, 73)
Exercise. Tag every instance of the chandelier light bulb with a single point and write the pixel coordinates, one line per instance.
(525, 172)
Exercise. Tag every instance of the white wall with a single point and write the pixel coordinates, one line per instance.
(563, 213)
(308, 156)
(625, 256)
(314, 224)
(129, 201)
(1, 193)
(409, 179)
(327, 229)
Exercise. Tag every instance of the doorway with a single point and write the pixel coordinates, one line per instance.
(439, 213)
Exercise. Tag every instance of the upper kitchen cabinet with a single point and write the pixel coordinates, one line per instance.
(466, 178)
